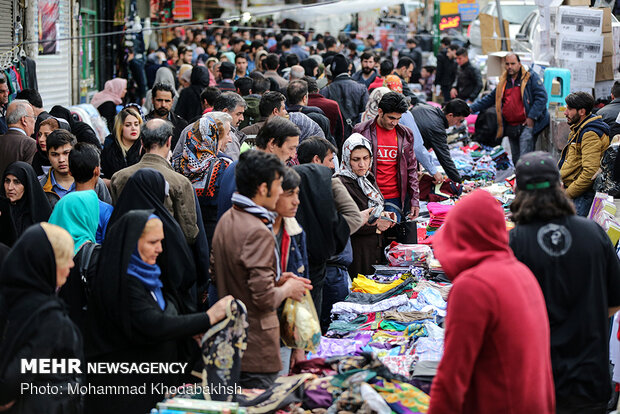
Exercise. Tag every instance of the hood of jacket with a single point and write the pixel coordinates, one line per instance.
(468, 237)
(591, 122)
(200, 76)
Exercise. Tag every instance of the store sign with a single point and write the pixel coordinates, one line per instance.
(469, 11)
(450, 22)
(182, 10)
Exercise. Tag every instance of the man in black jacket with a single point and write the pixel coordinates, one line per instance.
(350, 95)
(446, 67)
(297, 94)
(404, 70)
(415, 53)
(433, 122)
(610, 111)
(468, 80)
(162, 109)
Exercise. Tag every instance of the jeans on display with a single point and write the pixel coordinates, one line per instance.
(583, 203)
(521, 140)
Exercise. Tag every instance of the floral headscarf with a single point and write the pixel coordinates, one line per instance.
(199, 161)
(372, 107)
(372, 192)
(393, 83)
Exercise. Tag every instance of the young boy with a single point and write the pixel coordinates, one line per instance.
(59, 182)
(291, 244)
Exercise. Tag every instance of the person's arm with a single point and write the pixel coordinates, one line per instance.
(591, 153)
(184, 208)
(468, 316)
(539, 98)
(421, 154)
(346, 206)
(483, 103)
(29, 150)
(439, 143)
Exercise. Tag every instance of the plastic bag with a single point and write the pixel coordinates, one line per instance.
(408, 254)
(299, 324)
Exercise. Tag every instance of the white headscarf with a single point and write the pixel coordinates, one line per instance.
(358, 140)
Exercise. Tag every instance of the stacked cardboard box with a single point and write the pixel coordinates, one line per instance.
(586, 43)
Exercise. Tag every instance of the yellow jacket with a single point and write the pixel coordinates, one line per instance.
(581, 157)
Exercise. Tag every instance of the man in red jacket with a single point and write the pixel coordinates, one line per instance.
(496, 350)
(394, 163)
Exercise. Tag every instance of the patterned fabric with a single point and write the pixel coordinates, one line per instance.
(372, 107)
(393, 302)
(411, 316)
(399, 364)
(393, 83)
(222, 349)
(199, 161)
(402, 397)
(605, 182)
(284, 391)
(330, 347)
(375, 198)
(429, 349)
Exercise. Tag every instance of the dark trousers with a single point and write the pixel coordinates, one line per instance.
(335, 289)
(576, 405)
(445, 91)
(317, 277)
(257, 380)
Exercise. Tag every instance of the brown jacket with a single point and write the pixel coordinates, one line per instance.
(181, 202)
(15, 146)
(253, 129)
(245, 267)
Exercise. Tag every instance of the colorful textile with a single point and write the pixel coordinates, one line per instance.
(284, 391)
(400, 364)
(402, 397)
(429, 349)
(386, 304)
(330, 347)
(362, 284)
(411, 316)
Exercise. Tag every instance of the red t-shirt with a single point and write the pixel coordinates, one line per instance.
(512, 106)
(387, 164)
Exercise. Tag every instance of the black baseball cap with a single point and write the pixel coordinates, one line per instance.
(537, 170)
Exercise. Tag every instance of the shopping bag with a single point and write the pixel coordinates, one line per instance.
(299, 324)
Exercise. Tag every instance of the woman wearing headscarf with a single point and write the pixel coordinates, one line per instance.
(78, 213)
(163, 75)
(189, 105)
(44, 126)
(147, 189)
(311, 67)
(184, 76)
(35, 324)
(355, 174)
(22, 202)
(125, 146)
(421, 153)
(203, 162)
(82, 131)
(106, 100)
(134, 315)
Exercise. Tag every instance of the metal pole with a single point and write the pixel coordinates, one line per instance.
(502, 32)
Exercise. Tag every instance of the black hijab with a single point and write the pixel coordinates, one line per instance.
(108, 309)
(189, 103)
(27, 286)
(32, 208)
(326, 230)
(146, 189)
(82, 131)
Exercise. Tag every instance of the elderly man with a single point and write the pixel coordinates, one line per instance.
(156, 139)
(520, 101)
(234, 105)
(16, 144)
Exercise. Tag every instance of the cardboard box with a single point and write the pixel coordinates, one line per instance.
(606, 19)
(577, 3)
(579, 47)
(603, 89)
(608, 44)
(580, 20)
(490, 34)
(605, 69)
(583, 73)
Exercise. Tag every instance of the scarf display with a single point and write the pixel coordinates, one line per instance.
(372, 107)
(264, 215)
(199, 161)
(375, 198)
(147, 274)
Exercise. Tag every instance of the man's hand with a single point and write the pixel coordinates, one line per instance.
(217, 312)
(296, 287)
(454, 93)
(415, 212)
(366, 215)
(438, 178)
(529, 122)
(383, 225)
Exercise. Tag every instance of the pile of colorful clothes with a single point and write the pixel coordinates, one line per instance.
(438, 213)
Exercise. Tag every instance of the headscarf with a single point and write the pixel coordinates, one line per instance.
(230, 56)
(147, 189)
(165, 75)
(185, 68)
(372, 107)
(309, 64)
(393, 83)
(109, 305)
(199, 161)
(32, 208)
(112, 91)
(78, 213)
(375, 198)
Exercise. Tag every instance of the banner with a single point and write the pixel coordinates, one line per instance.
(49, 14)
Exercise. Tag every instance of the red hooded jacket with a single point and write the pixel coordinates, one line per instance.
(497, 352)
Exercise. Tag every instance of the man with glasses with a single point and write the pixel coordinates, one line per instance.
(4, 100)
(16, 144)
